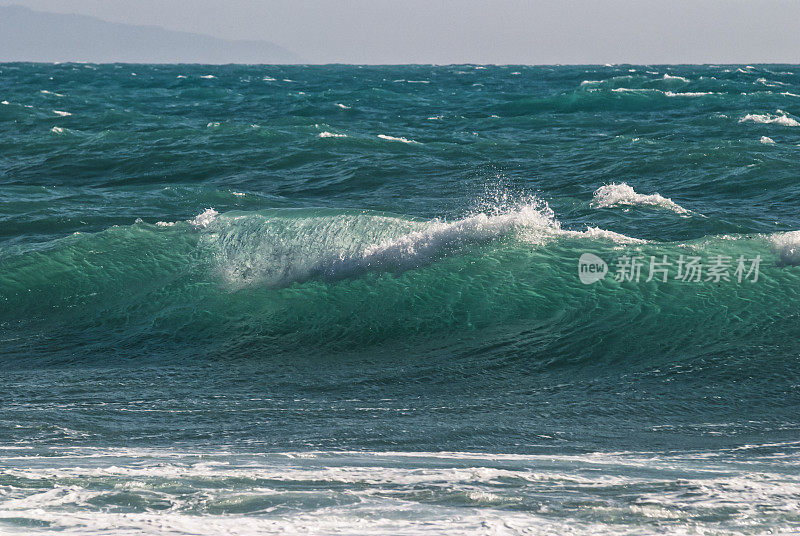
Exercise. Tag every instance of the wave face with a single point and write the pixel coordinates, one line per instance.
(304, 274)
(380, 299)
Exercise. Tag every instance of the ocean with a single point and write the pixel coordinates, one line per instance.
(399, 299)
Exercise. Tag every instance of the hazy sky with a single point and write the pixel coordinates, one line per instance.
(472, 31)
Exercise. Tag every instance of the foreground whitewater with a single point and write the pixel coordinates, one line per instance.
(325, 300)
(152, 491)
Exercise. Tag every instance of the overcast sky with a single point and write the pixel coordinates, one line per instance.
(472, 31)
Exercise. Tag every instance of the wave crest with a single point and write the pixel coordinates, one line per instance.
(612, 195)
(787, 246)
(277, 250)
(777, 119)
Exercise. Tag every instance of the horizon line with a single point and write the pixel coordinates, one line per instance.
(453, 64)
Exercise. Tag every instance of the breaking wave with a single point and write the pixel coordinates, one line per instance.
(612, 195)
(280, 280)
(779, 118)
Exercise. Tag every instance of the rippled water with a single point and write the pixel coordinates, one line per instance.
(343, 299)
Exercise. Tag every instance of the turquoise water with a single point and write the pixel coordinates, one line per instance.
(343, 299)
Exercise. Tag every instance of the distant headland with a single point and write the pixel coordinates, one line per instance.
(28, 35)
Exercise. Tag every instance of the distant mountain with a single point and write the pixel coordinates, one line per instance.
(27, 35)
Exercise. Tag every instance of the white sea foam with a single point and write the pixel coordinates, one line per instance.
(780, 118)
(393, 138)
(331, 135)
(205, 218)
(62, 114)
(5, 102)
(670, 77)
(413, 493)
(773, 83)
(342, 106)
(688, 93)
(208, 76)
(57, 130)
(635, 90)
(611, 195)
(437, 236)
(787, 246)
(766, 140)
(46, 92)
(596, 232)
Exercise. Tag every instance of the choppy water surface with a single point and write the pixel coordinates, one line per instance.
(342, 299)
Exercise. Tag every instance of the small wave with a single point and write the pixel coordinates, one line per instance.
(331, 135)
(769, 83)
(766, 140)
(57, 130)
(208, 76)
(611, 195)
(670, 77)
(603, 234)
(62, 114)
(780, 118)
(635, 90)
(45, 92)
(342, 106)
(688, 93)
(393, 138)
(658, 91)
